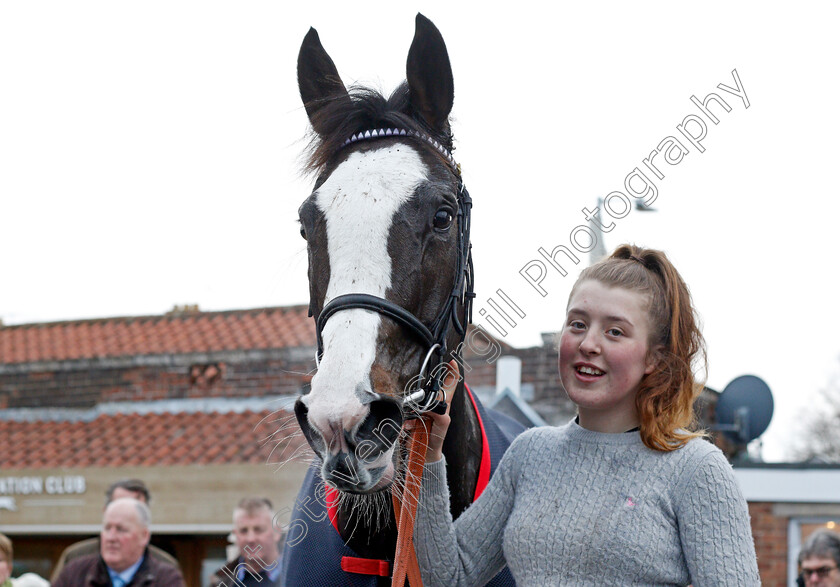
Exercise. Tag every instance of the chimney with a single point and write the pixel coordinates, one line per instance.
(184, 310)
(509, 375)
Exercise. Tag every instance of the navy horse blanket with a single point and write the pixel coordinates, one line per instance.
(315, 554)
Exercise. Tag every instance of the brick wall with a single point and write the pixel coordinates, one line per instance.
(539, 368)
(771, 544)
(71, 389)
(237, 374)
(83, 385)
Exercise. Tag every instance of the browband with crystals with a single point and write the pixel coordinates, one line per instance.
(399, 132)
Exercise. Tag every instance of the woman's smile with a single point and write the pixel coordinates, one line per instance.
(604, 354)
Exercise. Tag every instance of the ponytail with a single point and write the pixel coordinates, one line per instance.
(665, 399)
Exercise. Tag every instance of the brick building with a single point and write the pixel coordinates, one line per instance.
(540, 384)
(787, 502)
(197, 404)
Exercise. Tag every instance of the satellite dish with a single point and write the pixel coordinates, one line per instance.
(744, 409)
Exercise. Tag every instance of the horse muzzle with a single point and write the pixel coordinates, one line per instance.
(356, 451)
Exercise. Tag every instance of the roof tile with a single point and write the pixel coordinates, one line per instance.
(126, 440)
(262, 328)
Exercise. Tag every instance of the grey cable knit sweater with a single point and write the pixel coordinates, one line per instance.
(568, 506)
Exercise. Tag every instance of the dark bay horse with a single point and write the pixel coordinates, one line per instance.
(390, 277)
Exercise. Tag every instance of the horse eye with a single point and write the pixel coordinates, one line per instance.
(302, 232)
(443, 218)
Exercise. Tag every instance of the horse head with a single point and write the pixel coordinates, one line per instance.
(387, 232)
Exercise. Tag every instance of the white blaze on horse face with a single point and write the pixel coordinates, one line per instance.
(358, 201)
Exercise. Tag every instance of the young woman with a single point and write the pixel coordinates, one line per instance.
(623, 495)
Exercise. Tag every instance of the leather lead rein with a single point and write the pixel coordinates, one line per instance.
(405, 508)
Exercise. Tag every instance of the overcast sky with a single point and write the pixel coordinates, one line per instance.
(149, 157)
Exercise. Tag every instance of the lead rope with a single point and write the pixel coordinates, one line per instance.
(405, 508)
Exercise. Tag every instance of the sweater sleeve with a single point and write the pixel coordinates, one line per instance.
(714, 526)
(468, 551)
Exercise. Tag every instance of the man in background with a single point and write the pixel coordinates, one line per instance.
(123, 559)
(134, 488)
(819, 560)
(258, 541)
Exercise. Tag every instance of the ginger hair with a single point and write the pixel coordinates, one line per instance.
(665, 399)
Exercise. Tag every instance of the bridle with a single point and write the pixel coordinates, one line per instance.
(434, 336)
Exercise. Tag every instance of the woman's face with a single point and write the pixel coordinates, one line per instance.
(604, 354)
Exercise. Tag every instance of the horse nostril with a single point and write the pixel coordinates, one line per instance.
(312, 436)
(380, 429)
(301, 413)
(388, 411)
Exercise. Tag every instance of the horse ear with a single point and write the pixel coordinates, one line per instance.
(318, 78)
(429, 75)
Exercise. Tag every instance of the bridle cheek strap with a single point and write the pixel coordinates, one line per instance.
(405, 507)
